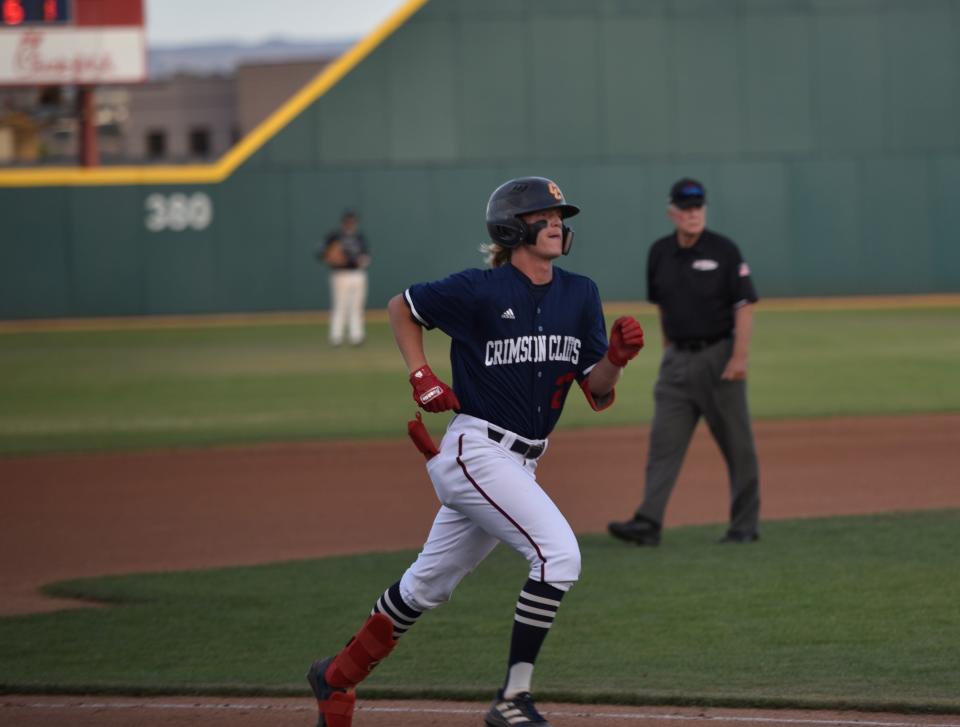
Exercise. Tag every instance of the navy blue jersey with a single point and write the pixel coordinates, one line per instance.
(516, 347)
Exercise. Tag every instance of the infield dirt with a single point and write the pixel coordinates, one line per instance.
(68, 516)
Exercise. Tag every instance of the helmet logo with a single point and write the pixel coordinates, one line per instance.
(555, 191)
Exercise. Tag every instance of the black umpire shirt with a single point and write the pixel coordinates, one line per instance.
(698, 288)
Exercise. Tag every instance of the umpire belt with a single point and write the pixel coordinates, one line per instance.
(529, 451)
(698, 344)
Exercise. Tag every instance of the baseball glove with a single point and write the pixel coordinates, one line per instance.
(334, 255)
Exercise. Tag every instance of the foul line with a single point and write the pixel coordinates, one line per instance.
(625, 716)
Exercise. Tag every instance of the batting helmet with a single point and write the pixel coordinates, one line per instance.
(513, 199)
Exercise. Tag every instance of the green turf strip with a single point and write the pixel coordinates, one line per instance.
(847, 612)
(124, 389)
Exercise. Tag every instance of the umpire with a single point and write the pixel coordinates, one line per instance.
(703, 289)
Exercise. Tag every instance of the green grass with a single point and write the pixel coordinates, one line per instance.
(847, 612)
(122, 389)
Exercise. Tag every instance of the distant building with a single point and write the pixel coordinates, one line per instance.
(183, 119)
(263, 87)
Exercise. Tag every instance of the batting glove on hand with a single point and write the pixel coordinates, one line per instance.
(626, 340)
(430, 393)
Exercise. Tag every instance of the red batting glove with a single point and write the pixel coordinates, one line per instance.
(421, 438)
(430, 393)
(626, 340)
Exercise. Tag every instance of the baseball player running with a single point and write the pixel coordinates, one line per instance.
(521, 333)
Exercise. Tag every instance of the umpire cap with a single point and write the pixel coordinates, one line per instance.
(686, 193)
(518, 197)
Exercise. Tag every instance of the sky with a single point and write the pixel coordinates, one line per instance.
(181, 22)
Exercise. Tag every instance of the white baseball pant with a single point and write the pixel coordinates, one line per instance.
(348, 293)
(488, 494)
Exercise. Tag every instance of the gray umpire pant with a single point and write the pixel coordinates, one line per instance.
(688, 387)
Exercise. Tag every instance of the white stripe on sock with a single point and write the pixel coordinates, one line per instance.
(540, 599)
(537, 611)
(399, 617)
(531, 622)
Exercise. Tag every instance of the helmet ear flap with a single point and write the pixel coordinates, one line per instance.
(508, 232)
(567, 240)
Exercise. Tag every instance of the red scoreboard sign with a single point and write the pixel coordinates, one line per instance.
(72, 41)
(21, 12)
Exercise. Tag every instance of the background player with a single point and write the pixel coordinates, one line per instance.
(522, 332)
(703, 289)
(346, 252)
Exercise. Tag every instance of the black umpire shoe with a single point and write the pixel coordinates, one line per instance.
(517, 711)
(738, 536)
(640, 530)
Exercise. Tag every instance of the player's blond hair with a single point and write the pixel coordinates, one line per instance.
(495, 255)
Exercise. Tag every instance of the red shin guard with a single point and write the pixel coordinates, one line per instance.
(337, 709)
(373, 642)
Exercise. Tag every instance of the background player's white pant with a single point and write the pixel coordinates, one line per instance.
(488, 494)
(348, 293)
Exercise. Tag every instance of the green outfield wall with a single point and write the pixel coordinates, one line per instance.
(827, 133)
